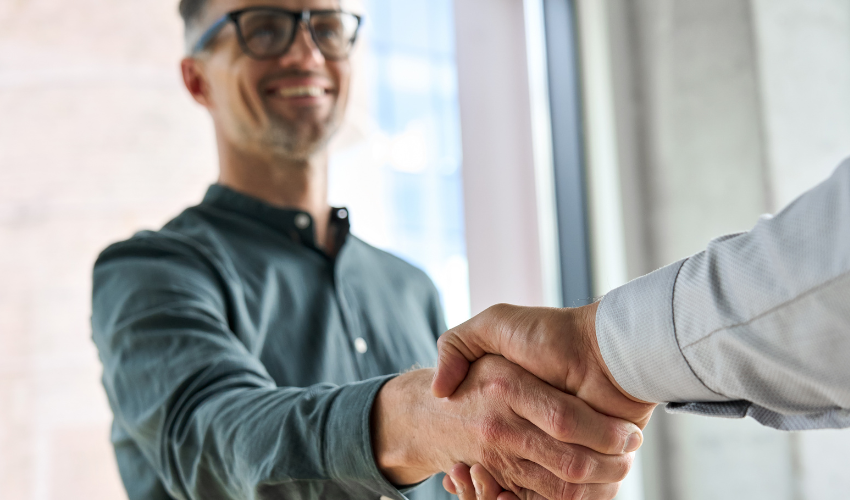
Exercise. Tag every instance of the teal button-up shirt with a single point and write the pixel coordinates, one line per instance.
(241, 362)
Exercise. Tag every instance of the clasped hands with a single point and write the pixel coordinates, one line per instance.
(525, 408)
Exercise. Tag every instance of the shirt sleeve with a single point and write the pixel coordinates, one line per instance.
(756, 325)
(202, 408)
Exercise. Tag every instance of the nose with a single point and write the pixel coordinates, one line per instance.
(303, 52)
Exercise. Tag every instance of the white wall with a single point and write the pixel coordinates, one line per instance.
(727, 109)
(804, 67)
(98, 139)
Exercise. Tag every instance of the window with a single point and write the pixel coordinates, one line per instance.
(397, 165)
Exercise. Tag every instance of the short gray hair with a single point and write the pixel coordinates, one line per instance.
(191, 11)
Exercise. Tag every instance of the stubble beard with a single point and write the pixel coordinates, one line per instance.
(298, 140)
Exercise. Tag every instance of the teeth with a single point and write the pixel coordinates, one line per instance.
(307, 91)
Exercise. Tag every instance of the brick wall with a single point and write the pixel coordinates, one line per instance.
(97, 140)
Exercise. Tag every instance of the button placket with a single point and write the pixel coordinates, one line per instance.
(351, 322)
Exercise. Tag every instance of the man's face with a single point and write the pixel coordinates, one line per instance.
(288, 107)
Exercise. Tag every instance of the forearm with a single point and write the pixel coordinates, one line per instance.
(265, 442)
(759, 317)
(214, 425)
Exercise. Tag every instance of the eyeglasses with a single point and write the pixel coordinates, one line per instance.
(268, 32)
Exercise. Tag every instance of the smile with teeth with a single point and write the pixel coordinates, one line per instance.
(304, 91)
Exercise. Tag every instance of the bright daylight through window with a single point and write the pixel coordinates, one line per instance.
(398, 166)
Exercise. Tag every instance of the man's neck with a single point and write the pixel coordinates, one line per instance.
(300, 184)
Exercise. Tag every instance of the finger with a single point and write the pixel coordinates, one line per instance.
(486, 488)
(538, 483)
(457, 348)
(570, 420)
(573, 463)
(507, 495)
(462, 480)
(462, 345)
(448, 485)
(523, 335)
(452, 366)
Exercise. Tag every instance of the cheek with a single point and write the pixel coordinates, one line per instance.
(342, 75)
(230, 105)
(239, 89)
(223, 92)
(242, 95)
(244, 102)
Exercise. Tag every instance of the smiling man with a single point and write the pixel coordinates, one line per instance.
(252, 346)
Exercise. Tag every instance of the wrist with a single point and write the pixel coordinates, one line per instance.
(399, 433)
(592, 342)
(587, 327)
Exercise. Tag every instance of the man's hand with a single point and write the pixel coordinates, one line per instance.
(557, 345)
(536, 440)
(475, 483)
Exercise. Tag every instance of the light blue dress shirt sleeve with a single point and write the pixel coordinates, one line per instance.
(756, 325)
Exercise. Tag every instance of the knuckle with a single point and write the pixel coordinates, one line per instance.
(563, 422)
(447, 340)
(577, 467)
(577, 492)
(525, 494)
(564, 492)
(615, 437)
(624, 466)
(568, 491)
(500, 312)
(492, 429)
(499, 309)
(528, 444)
(499, 386)
(441, 341)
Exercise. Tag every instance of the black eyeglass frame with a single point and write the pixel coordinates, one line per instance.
(297, 16)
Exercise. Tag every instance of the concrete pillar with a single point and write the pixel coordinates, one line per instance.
(701, 118)
(804, 73)
(693, 167)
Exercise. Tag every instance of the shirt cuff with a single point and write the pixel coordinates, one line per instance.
(637, 338)
(830, 419)
(348, 445)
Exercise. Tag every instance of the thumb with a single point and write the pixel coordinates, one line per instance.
(452, 364)
(461, 346)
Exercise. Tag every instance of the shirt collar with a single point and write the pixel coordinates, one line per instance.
(296, 224)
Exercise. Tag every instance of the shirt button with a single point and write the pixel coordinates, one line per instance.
(302, 221)
(360, 345)
(342, 213)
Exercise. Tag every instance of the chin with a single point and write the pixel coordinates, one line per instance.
(298, 139)
(298, 146)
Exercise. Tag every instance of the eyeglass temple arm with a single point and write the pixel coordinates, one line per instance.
(210, 33)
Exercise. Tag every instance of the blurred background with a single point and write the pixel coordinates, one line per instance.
(538, 152)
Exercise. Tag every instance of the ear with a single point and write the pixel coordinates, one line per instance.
(195, 80)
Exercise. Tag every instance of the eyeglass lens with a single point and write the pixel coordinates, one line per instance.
(270, 33)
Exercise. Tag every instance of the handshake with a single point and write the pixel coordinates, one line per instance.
(525, 408)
